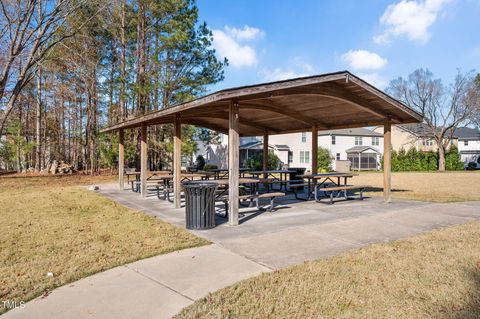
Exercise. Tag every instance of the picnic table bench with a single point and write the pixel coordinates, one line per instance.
(254, 198)
(321, 179)
(339, 190)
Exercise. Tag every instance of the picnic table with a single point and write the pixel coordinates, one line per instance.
(152, 174)
(253, 196)
(276, 176)
(224, 182)
(319, 180)
(223, 172)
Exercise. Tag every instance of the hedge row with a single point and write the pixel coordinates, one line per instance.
(413, 160)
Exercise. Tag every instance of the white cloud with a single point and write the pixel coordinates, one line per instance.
(410, 18)
(230, 43)
(298, 68)
(364, 60)
(279, 74)
(375, 79)
(247, 33)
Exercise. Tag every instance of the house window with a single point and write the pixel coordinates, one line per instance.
(333, 140)
(358, 140)
(375, 141)
(304, 137)
(427, 142)
(465, 143)
(304, 157)
(338, 156)
(290, 156)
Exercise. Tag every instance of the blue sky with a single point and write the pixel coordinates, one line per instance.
(378, 40)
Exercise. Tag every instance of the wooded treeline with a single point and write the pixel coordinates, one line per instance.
(109, 60)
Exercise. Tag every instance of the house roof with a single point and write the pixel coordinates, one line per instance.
(250, 144)
(359, 131)
(467, 133)
(282, 147)
(361, 149)
(327, 101)
(254, 144)
(418, 129)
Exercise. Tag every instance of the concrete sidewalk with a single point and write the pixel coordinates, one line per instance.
(157, 287)
(161, 286)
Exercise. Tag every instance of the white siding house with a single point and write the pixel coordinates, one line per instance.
(468, 144)
(359, 145)
(294, 149)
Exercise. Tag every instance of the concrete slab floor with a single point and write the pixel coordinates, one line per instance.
(306, 230)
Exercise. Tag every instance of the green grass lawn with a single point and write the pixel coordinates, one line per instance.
(50, 225)
(434, 275)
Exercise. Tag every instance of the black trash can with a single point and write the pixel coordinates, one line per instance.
(199, 205)
(293, 176)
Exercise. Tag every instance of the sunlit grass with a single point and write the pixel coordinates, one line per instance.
(427, 186)
(434, 275)
(50, 226)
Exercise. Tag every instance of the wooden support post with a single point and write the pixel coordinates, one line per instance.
(387, 160)
(233, 163)
(121, 159)
(143, 162)
(177, 162)
(314, 149)
(265, 152)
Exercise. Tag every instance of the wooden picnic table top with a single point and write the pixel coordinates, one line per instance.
(242, 169)
(151, 172)
(280, 171)
(184, 175)
(322, 175)
(225, 181)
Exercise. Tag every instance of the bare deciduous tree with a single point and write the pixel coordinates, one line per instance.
(444, 108)
(29, 29)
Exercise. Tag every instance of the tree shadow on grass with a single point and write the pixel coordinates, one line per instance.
(380, 190)
(470, 309)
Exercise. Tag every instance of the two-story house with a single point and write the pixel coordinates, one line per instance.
(468, 144)
(417, 136)
(361, 146)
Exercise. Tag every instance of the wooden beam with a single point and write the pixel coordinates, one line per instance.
(121, 159)
(387, 160)
(314, 149)
(282, 110)
(224, 116)
(265, 153)
(233, 163)
(210, 126)
(143, 161)
(177, 162)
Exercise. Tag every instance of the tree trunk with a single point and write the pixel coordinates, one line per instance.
(141, 59)
(123, 66)
(38, 135)
(441, 158)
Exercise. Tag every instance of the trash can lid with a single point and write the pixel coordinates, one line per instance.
(199, 184)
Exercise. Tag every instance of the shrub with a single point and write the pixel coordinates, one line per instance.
(452, 159)
(324, 160)
(255, 161)
(200, 162)
(208, 167)
(471, 166)
(413, 160)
